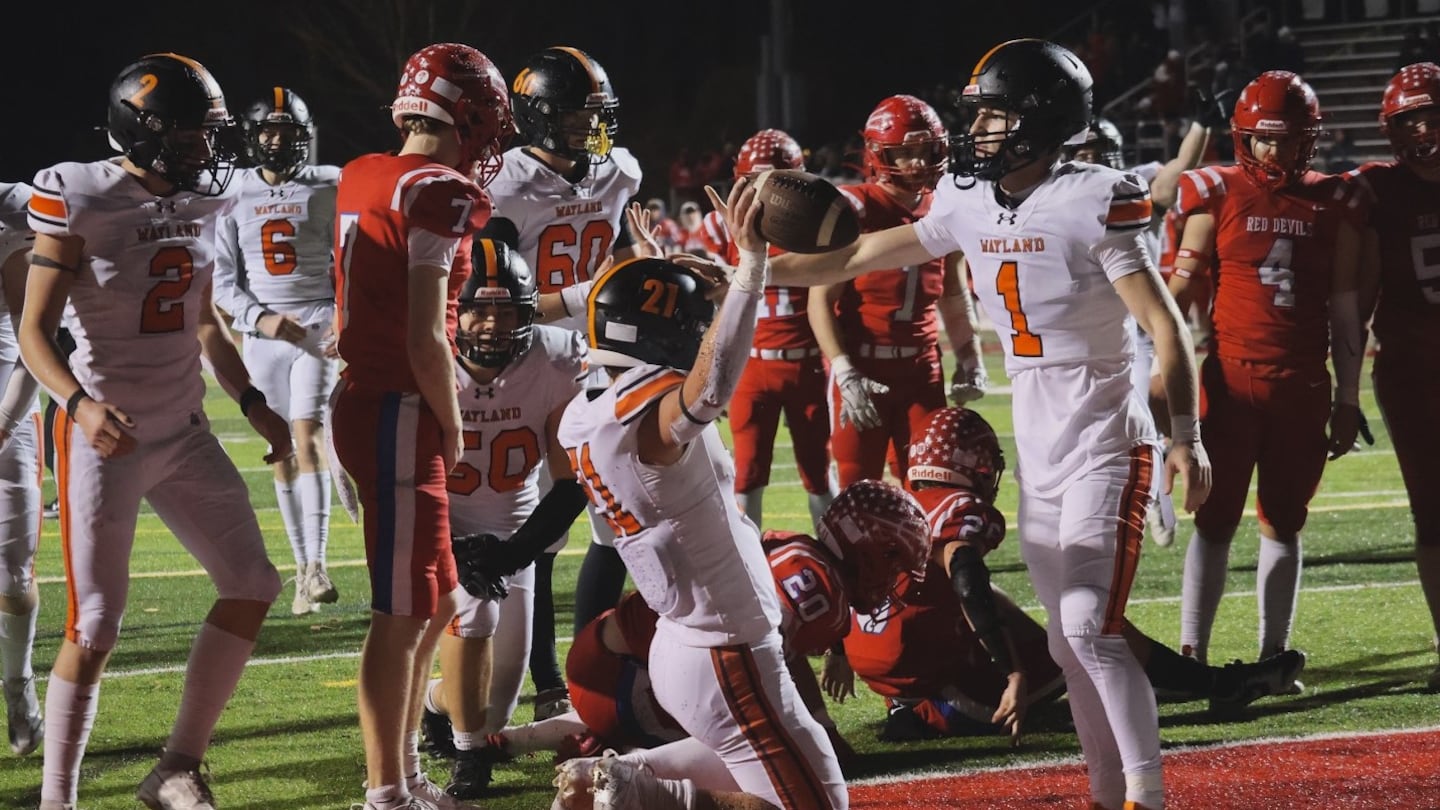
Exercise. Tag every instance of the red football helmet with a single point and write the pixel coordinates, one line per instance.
(459, 85)
(878, 532)
(1415, 138)
(1278, 106)
(957, 447)
(905, 144)
(768, 149)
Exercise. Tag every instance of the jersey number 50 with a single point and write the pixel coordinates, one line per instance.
(466, 478)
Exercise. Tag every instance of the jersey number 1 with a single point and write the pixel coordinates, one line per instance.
(1007, 284)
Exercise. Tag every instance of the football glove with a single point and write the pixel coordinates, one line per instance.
(968, 385)
(856, 406)
(481, 565)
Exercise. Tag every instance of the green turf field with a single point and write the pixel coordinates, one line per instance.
(290, 738)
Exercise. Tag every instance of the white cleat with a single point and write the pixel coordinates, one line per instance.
(22, 711)
(302, 604)
(321, 588)
(1160, 521)
(175, 790)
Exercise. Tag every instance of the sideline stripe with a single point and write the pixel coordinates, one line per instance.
(1053, 761)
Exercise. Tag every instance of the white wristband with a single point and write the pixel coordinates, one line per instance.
(753, 272)
(572, 298)
(1184, 427)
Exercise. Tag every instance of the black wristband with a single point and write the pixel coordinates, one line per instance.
(74, 401)
(838, 648)
(249, 397)
(685, 412)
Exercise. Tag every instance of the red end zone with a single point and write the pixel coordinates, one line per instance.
(1399, 769)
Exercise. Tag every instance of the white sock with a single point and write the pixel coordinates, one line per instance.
(410, 756)
(291, 516)
(1277, 582)
(69, 716)
(430, 696)
(1206, 563)
(314, 491)
(1145, 788)
(387, 795)
(464, 740)
(17, 640)
(818, 504)
(217, 660)
(544, 735)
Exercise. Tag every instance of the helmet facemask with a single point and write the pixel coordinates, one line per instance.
(994, 152)
(282, 147)
(914, 166)
(201, 159)
(1415, 137)
(494, 334)
(1287, 160)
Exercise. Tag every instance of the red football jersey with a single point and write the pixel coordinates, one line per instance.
(1406, 219)
(381, 198)
(781, 319)
(1172, 226)
(1274, 253)
(812, 595)
(957, 514)
(889, 307)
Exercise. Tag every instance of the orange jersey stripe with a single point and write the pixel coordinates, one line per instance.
(62, 496)
(1129, 212)
(1129, 535)
(795, 781)
(49, 207)
(629, 405)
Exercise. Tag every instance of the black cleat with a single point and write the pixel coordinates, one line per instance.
(904, 725)
(470, 775)
(438, 738)
(1240, 684)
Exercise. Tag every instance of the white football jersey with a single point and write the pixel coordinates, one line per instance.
(1147, 172)
(1067, 335)
(276, 246)
(692, 554)
(565, 229)
(496, 485)
(15, 235)
(136, 297)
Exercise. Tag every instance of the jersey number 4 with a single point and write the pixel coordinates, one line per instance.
(1007, 284)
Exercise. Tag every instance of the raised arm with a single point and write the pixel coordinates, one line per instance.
(893, 247)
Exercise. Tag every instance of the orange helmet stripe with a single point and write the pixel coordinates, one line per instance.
(585, 61)
(492, 271)
(600, 282)
(980, 66)
(279, 99)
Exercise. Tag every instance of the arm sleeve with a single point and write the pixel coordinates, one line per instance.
(933, 230)
(230, 291)
(1199, 190)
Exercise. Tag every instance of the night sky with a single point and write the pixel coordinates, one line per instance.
(685, 71)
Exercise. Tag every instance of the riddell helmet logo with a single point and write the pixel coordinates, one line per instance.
(1271, 123)
(411, 104)
(1417, 100)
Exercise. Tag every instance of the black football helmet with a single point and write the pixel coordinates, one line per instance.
(168, 116)
(286, 117)
(1048, 90)
(556, 84)
(501, 277)
(647, 311)
(1103, 144)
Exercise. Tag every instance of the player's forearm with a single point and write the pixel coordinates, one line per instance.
(19, 395)
(809, 688)
(725, 348)
(225, 361)
(958, 317)
(1347, 345)
(823, 324)
(1166, 186)
(895, 247)
(569, 302)
(1175, 357)
(434, 369)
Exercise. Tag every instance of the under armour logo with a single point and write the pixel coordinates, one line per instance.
(277, 192)
(165, 206)
(488, 392)
(1000, 220)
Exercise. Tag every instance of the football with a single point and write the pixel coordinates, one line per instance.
(803, 213)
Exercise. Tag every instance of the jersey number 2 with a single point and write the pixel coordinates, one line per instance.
(163, 310)
(1007, 284)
